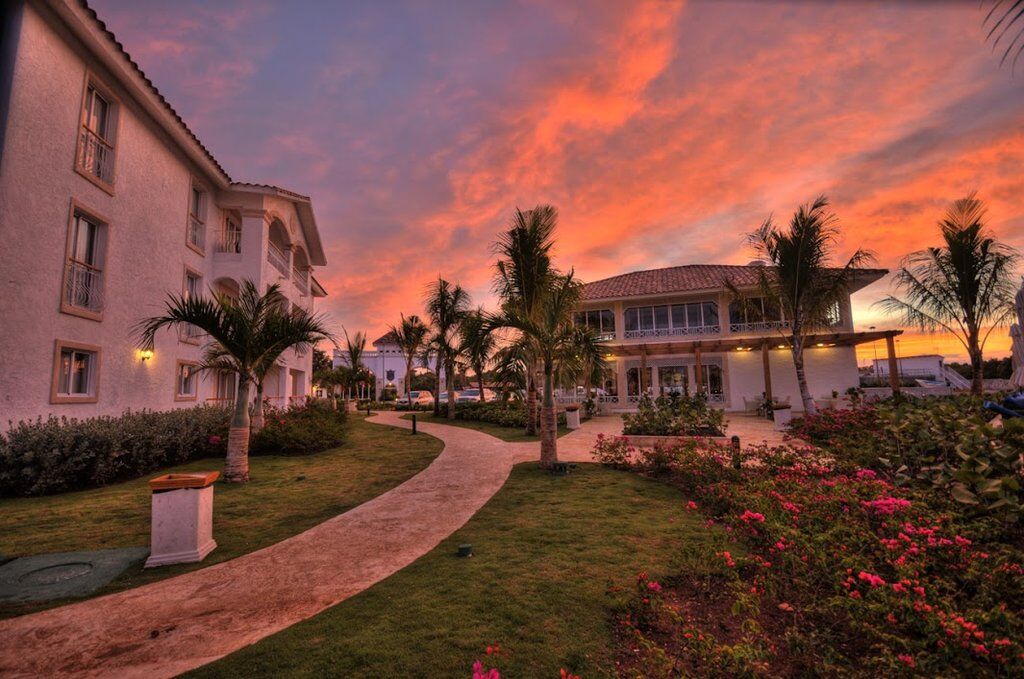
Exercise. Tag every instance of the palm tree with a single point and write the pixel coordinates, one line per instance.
(477, 344)
(1003, 19)
(556, 339)
(447, 305)
(962, 286)
(410, 335)
(523, 275)
(800, 281)
(511, 364)
(355, 347)
(245, 335)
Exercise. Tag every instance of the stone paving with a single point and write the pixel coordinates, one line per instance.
(169, 627)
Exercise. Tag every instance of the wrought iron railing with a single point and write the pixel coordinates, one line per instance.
(277, 258)
(229, 240)
(674, 332)
(83, 286)
(301, 280)
(96, 156)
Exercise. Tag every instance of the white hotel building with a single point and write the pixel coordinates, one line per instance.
(679, 329)
(108, 203)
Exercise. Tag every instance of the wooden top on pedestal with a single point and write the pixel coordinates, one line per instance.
(176, 481)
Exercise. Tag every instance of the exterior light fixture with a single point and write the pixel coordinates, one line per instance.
(781, 346)
(820, 344)
(146, 354)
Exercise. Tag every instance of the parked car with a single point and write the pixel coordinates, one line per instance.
(443, 398)
(470, 395)
(416, 399)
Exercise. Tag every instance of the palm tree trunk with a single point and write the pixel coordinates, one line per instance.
(531, 405)
(237, 465)
(450, 375)
(480, 384)
(257, 412)
(977, 367)
(437, 387)
(801, 377)
(548, 422)
(408, 379)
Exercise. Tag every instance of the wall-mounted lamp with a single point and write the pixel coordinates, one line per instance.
(146, 354)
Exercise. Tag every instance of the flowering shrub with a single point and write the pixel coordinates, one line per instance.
(674, 415)
(503, 413)
(61, 454)
(835, 571)
(302, 430)
(942, 444)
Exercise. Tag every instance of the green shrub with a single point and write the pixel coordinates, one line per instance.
(503, 413)
(674, 415)
(61, 454)
(309, 429)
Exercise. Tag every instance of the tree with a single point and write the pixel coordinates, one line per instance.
(961, 286)
(245, 335)
(1003, 19)
(556, 339)
(447, 305)
(355, 347)
(800, 282)
(477, 344)
(410, 335)
(523, 275)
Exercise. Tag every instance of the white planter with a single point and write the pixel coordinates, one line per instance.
(182, 522)
(782, 417)
(572, 419)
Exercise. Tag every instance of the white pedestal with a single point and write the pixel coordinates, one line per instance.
(182, 528)
(572, 419)
(782, 417)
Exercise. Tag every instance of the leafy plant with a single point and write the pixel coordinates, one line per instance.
(675, 415)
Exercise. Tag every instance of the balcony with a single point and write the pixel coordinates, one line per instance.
(758, 327)
(301, 281)
(83, 286)
(278, 259)
(673, 332)
(229, 240)
(95, 156)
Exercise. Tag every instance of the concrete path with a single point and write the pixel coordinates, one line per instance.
(171, 626)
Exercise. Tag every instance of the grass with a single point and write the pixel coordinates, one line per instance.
(510, 434)
(287, 495)
(550, 555)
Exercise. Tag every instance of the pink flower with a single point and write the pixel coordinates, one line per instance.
(906, 660)
(747, 516)
(871, 579)
(654, 586)
(886, 506)
(866, 474)
(691, 505)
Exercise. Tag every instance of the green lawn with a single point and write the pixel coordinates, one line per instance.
(547, 550)
(510, 434)
(286, 496)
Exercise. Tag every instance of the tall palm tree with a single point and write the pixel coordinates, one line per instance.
(511, 364)
(557, 340)
(523, 276)
(1006, 25)
(355, 347)
(477, 343)
(410, 334)
(800, 280)
(962, 286)
(246, 335)
(447, 305)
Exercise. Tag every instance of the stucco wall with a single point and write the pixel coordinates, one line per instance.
(827, 369)
(146, 252)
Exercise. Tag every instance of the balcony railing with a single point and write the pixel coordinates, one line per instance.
(96, 156)
(83, 286)
(229, 240)
(762, 326)
(674, 332)
(195, 231)
(278, 259)
(301, 280)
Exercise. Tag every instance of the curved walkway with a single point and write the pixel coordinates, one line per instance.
(171, 626)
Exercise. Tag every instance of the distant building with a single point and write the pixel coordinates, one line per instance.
(386, 362)
(924, 367)
(678, 329)
(108, 204)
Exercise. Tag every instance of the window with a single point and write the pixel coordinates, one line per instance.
(186, 383)
(75, 374)
(196, 236)
(675, 319)
(83, 267)
(600, 321)
(674, 379)
(225, 388)
(95, 155)
(756, 311)
(192, 289)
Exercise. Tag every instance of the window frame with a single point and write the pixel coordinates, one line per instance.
(59, 346)
(112, 133)
(204, 208)
(78, 210)
(183, 333)
(178, 395)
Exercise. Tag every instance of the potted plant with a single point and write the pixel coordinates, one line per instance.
(572, 416)
(782, 413)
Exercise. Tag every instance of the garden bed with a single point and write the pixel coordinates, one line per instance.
(642, 441)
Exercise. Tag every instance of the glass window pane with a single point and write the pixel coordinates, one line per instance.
(580, 318)
(736, 312)
(65, 372)
(678, 316)
(772, 311)
(661, 317)
(631, 319)
(710, 313)
(96, 112)
(693, 319)
(607, 321)
(647, 318)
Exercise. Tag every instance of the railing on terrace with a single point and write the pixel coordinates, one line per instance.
(277, 258)
(83, 286)
(763, 326)
(301, 280)
(95, 156)
(229, 240)
(670, 332)
(195, 231)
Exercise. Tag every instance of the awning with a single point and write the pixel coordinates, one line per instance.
(720, 344)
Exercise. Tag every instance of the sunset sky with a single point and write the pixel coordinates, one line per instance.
(663, 132)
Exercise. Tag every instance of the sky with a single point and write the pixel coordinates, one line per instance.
(663, 132)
